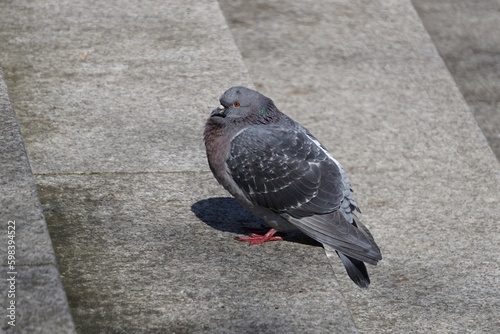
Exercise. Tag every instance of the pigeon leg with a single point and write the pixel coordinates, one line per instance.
(256, 239)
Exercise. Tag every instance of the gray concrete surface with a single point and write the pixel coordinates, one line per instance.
(155, 253)
(111, 98)
(29, 280)
(467, 37)
(365, 77)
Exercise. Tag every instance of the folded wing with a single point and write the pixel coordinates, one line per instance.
(286, 171)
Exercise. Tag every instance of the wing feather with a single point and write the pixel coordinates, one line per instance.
(283, 169)
(287, 171)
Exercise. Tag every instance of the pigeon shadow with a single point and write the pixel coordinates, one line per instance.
(227, 215)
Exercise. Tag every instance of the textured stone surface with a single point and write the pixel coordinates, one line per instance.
(385, 105)
(18, 199)
(465, 34)
(41, 304)
(34, 284)
(146, 253)
(112, 98)
(116, 85)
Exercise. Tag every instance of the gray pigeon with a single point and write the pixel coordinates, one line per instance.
(280, 172)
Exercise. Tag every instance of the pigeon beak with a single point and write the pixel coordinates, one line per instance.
(219, 112)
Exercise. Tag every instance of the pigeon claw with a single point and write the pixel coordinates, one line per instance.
(256, 239)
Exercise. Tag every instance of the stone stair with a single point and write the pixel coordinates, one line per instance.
(111, 98)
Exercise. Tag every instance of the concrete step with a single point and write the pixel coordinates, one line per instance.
(32, 298)
(464, 35)
(111, 98)
(365, 77)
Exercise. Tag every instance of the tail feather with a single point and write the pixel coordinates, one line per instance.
(356, 270)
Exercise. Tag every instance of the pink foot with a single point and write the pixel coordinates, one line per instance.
(256, 239)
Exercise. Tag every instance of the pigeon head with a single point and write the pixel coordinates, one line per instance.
(244, 105)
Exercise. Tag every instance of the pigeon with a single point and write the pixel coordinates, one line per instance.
(276, 169)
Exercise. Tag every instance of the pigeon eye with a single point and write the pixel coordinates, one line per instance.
(236, 104)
